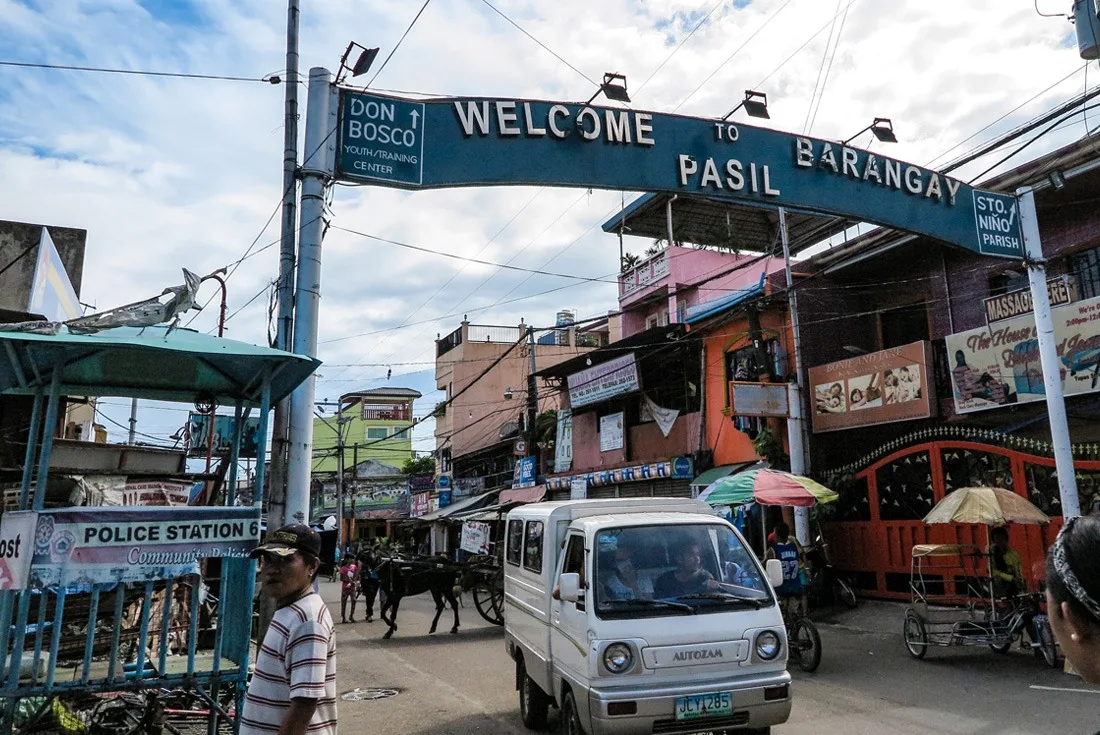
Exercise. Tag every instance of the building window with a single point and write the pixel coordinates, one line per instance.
(532, 547)
(742, 364)
(400, 432)
(1085, 267)
(904, 325)
(1006, 281)
(651, 321)
(378, 432)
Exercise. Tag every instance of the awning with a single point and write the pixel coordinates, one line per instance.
(719, 472)
(714, 307)
(523, 495)
(477, 501)
(485, 515)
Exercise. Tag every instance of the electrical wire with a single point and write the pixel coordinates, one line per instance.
(828, 69)
(399, 42)
(806, 43)
(522, 30)
(270, 79)
(680, 45)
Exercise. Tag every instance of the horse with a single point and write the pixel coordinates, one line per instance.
(398, 579)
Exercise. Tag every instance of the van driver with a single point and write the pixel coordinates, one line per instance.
(689, 577)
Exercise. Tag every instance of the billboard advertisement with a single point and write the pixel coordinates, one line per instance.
(999, 365)
(877, 388)
(606, 380)
(198, 427)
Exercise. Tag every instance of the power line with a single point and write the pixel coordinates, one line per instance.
(680, 45)
(820, 95)
(270, 79)
(399, 42)
(553, 53)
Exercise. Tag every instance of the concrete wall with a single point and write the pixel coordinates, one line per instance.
(644, 442)
(15, 239)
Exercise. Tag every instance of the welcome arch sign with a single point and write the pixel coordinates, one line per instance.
(465, 141)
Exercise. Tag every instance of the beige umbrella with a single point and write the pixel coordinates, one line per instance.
(988, 506)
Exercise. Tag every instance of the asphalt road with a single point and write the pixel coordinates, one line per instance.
(867, 684)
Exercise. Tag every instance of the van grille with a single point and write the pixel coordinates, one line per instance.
(684, 727)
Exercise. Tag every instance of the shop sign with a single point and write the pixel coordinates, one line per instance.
(115, 545)
(578, 488)
(608, 379)
(419, 483)
(524, 473)
(419, 504)
(878, 388)
(475, 537)
(759, 399)
(466, 486)
(443, 482)
(636, 473)
(1017, 303)
(683, 468)
(225, 430)
(445, 498)
(999, 365)
(611, 432)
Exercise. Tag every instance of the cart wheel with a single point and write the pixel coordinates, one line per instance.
(805, 643)
(1047, 647)
(1001, 648)
(916, 636)
(489, 601)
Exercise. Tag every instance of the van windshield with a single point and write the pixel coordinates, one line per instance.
(645, 571)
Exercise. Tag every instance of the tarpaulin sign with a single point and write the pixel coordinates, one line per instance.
(16, 548)
(110, 545)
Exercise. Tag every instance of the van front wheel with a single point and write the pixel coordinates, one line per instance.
(533, 702)
(570, 720)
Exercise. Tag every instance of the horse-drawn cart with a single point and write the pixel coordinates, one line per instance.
(484, 577)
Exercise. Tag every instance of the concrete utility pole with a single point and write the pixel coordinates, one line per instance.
(320, 147)
(1048, 354)
(133, 422)
(796, 425)
(276, 495)
(532, 398)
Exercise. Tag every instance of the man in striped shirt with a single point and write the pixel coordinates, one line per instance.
(293, 690)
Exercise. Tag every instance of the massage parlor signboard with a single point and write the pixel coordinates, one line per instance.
(999, 364)
(878, 388)
(79, 546)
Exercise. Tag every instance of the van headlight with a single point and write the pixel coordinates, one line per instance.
(618, 658)
(768, 645)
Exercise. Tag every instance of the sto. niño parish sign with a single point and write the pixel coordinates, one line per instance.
(450, 142)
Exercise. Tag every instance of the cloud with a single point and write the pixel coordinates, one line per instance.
(173, 173)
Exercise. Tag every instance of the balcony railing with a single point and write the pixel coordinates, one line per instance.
(487, 333)
(645, 273)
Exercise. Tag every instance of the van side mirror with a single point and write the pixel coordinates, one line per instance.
(774, 569)
(569, 587)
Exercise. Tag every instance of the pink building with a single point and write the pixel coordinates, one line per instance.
(663, 288)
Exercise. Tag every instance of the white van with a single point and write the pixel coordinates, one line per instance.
(642, 615)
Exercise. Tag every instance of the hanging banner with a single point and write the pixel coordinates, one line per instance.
(106, 545)
(563, 444)
(999, 365)
(523, 475)
(52, 293)
(878, 388)
(664, 417)
(578, 488)
(17, 532)
(225, 429)
(759, 399)
(606, 380)
(432, 143)
(475, 537)
(419, 505)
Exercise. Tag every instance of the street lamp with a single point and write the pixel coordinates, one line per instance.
(755, 104)
(882, 129)
(613, 88)
(362, 64)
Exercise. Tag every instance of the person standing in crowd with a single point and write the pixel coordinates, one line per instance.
(1073, 594)
(349, 587)
(368, 579)
(293, 689)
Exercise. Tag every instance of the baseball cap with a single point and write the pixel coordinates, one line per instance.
(288, 539)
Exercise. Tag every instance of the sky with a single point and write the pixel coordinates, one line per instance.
(170, 173)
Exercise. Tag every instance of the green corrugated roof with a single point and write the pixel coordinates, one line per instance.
(718, 472)
(148, 363)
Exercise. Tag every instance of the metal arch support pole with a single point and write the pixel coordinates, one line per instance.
(1048, 354)
(320, 138)
(796, 424)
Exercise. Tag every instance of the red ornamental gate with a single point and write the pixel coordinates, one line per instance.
(878, 519)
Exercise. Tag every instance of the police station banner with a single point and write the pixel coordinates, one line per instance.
(877, 388)
(105, 545)
(999, 365)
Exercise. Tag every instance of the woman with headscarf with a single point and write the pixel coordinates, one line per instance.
(1073, 594)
